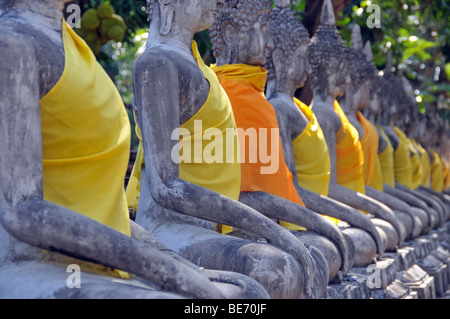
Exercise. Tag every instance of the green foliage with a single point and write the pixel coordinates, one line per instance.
(418, 36)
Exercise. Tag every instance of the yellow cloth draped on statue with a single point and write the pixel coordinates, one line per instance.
(417, 165)
(86, 140)
(402, 161)
(386, 158)
(437, 172)
(245, 86)
(221, 175)
(426, 164)
(349, 155)
(373, 176)
(312, 159)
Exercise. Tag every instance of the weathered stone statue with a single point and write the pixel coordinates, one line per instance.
(304, 145)
(356, 100)
(329, 78)
(391, 113)
(190, 202)
(239, 37)
(65, 149)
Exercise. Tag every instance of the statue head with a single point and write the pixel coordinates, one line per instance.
(328, 57)
(391, 97)
(362, 72)
(59, 4)
(193, 15)
(240, 33)
(288, 60)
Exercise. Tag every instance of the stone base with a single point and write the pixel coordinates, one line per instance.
(419, 269)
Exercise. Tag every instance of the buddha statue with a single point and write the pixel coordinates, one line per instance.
(386, 153)
(65, 150)
(328, 57)
(389, 117)
(304, 145)
(241, 40)
(188, 199)
(356, 100)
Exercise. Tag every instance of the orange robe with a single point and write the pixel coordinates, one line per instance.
(370, 141)
(349, 155)
(244, 85)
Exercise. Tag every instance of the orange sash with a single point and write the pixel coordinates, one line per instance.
(349, 155)
(370, 142)
(254, 115)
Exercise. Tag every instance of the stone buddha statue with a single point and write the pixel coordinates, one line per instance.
(65, 150)
(304, 145)
(240, 40)
(330, 77)
(391, 112)
(356, 100)
(188, 199)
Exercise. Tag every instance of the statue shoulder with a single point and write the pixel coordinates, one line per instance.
(328, 118)
(161, 61)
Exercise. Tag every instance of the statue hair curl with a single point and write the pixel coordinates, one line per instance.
(240, 13)
(287, 33)
(360, 69)
(327, 50)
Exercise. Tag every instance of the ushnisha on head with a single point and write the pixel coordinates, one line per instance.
(289, 36)
(394, 96)
(236, 34)
(328, 56)
(361, 70)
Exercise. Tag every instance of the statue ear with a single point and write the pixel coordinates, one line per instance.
(229, 33)
(277, 60)
(166, 13)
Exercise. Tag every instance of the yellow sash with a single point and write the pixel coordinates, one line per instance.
(426, 166)
(86, 139)
(349, 155)
(312, 159)
(402, 161)
(203, 168)
(373, 176)
(447, 175)
(437, 173)
(417, 165)
(387, 161)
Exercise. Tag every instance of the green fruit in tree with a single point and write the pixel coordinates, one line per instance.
(90, 19)
(116, 33)
(105, 11)
(105, 25)
(119, 20)
(91, 36)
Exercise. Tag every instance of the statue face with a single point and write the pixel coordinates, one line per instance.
(374, 104)
(299, 68)
(362, 95)
(196, 15)
(339, 79)
(253, 48)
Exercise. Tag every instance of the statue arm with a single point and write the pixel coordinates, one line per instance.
(157, 106)
(28, 217)
(365, 203)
